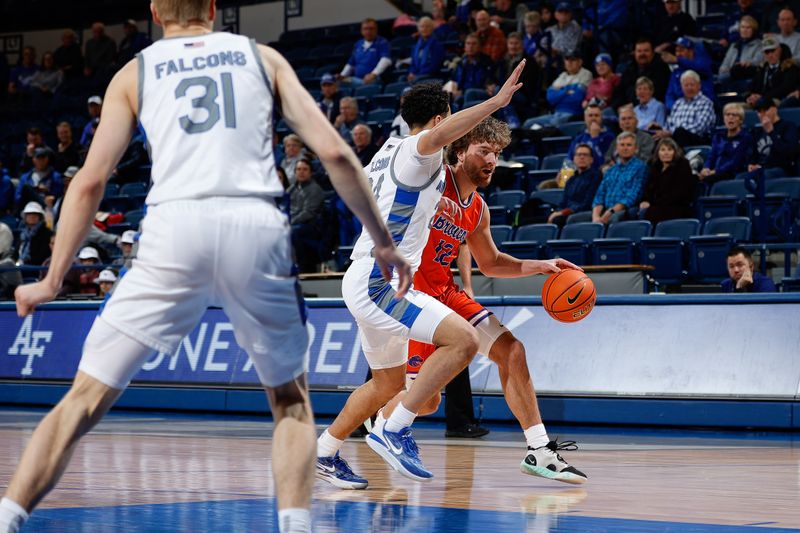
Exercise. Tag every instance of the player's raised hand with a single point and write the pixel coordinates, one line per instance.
(388, 259)
(29, 296)
(511, 86)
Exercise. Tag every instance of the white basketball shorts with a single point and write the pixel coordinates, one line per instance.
(234, 253)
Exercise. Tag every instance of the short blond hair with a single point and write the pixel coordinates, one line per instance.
(182, 11)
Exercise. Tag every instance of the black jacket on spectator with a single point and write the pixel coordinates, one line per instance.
(70, 59)
(668, 29)
(68, 158)
(580, 189)
(366, 155)
(780, 81)
(670, 192)
(306, 202)
(777, 149)
(657, 71)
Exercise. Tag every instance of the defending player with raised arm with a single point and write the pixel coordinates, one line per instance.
(475, 157)
(408, 180)
(213, 168)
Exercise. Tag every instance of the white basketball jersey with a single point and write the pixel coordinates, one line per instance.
(407, 187)
(205, 103)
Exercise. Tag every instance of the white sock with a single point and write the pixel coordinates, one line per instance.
(400, 418)
(328, 445)
(536, 436)
(12, 516)
(295, 520)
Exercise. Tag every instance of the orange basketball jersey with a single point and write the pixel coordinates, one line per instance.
(433, 275)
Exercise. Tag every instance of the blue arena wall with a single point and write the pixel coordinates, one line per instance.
(712, 360)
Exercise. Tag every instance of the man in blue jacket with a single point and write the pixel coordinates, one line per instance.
(428, 53)
(743, 277)
(689, 55)
(371, 55)
(42, 181)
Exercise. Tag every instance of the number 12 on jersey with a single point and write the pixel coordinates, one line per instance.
(208, 102)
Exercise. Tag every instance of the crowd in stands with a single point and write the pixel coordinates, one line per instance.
(633, 109)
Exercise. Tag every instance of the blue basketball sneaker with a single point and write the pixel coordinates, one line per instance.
(399, 450)
(338, 473)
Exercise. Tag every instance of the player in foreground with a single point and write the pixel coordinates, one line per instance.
(408, 180)
(213, 235)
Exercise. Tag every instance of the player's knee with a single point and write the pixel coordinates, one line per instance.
(516, 353)
(467, 344)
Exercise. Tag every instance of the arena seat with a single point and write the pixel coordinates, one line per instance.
(708, 252)
(574, 242)
(529, 240)
(619, 245)
(572, 129)
(501, 233)
(553, 161)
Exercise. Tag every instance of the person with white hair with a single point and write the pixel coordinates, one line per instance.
(730, 151)
(692, 116)
(428, 54)
(363, 146)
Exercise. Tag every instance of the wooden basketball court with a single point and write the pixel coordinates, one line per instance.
(156, 472)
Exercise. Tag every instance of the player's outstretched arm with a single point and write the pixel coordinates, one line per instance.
(496, 264)
(459, 124)
(344, 169)
(88, 186)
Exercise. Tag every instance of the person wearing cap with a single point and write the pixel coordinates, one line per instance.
(126, 244)
(775, 142)
(94, 105)
(672, 24)
(371, 56)
(427, 55)
(68, 56)
(89, 257)
(731, 150)
(787, 24)
(492, 40)
(778, 76)
(329, 97)
(41, 182)
(743, 54)
(67, 154)
(34, 236)
(101, 51)
(645, 63)
(602, 87)
(105, 281)
(566, 34)
(692, 117)
(689, 55)
(566, 92)
(133, 42)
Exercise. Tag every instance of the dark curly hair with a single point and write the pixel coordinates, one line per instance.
(423, 102)
(489, 130)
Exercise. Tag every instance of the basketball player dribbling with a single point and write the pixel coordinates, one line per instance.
(213, 235)
(408, 180)
(476, 156)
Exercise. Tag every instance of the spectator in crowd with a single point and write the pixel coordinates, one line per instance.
(89, 257)
(72, 279)
(605, 24)
(101, 51)
(68, 56)
(743, 54)
(566, 34)
(34, 236)
(692, 116)
(548, 12)
(21, 75)
(645, 64)
(69, 173)
(126, 244)
(776, 141)
(348, 118)
(293, 151)
(777, 76)
(743, 276)
(508, 16)
(329, 97)
(787, 23)
(105, 282)
(580, 189)
(399, 126)
(48, 78)
(644, 141)
(40, 182)
(525, 102)
(650, 113)
(733, 21)
(670, 187)
(689, 55)
(34, 140)
(601, 88)
(441, 22)
(67, 154)
(492, 40)
(595, 136)
(730, 151)
(133, 42)
(622, 185)
(673, 24)
(95, 106)
(306, 206)
(6, 192)
(371, 56)
(533, 35)
(362, 143)
(10, 279)
(427, 55)
(566, 93)
(771, 13)
(474, 71)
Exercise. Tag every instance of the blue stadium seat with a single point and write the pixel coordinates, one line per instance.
(499, 215)
(381, 115)
(342, 257)
(529, 240)
(531, 162)
(572, 129)
(553, 161)
(500, 233)
(737, 227)
(134, 217)
(112, 189)
(618, 247)
(666, 250)
(790, 114)
(474, 95)
(118, 229)
(751, 118)
(367, 90)
(385, 101)
(508, 199)
(555, 145)
(709, 207)
(549, 196)
(574, 242)
(535, 177)
(708, 252)
(133, 189)
(395, 88)
(680, 228)
(730, 188)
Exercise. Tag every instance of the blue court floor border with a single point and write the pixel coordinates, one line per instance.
(255, 515)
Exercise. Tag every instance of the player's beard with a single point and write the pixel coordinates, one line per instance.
(477, 174)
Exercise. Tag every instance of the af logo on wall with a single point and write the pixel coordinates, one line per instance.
(29, 343)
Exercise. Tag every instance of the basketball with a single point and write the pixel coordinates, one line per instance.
(568, 296)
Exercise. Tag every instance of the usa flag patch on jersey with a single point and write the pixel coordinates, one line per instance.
(196, 44)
